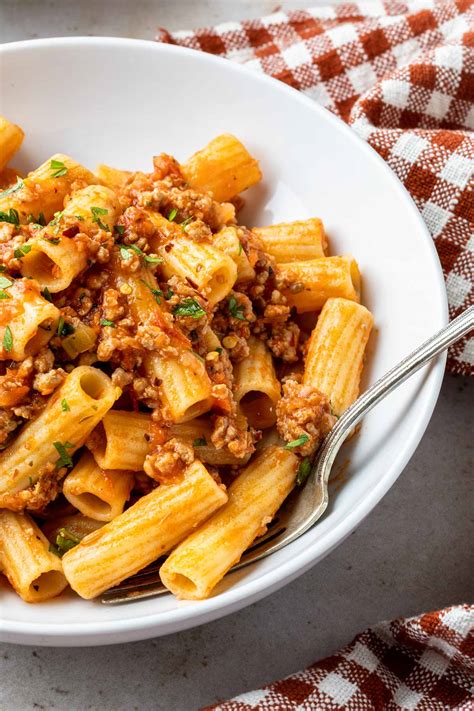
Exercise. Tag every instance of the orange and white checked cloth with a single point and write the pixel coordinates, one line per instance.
(423, 663)
(402, 75)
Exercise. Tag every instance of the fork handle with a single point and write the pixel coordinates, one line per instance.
(403, 370)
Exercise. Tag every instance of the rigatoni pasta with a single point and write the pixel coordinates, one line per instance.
(11, 138)
(148, 341)
(33, 571)
(336, 351)
(149, 528)
(294, 241)
(196, 566)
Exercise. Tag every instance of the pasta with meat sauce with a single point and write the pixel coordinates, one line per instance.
(149, 342)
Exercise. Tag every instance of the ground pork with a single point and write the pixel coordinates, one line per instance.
(167, 461)
(37, 496)
(303, 411)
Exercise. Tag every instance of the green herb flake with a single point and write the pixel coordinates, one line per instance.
(11, 216)
(64, 328)
(240, 248)
(119, 229)
(5, 282)
(172, 214)
(4, 295)
(8, 339)
(169, 294)
(30, 480)
(157, 293)
(46, 294)
(64, 458)
(18, 185)
(125, 254)
(304, 471)
(58, 169)
(236, 309)
(200, 442)
(37, 221)
(186, 223)
(297, 442)
(152, 260)
(21, 251)
(96, 212)
(65, 540)
(106, 322)
(189, 307)
(219, 350)
(65, 405)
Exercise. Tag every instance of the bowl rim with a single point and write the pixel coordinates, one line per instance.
(161, 623)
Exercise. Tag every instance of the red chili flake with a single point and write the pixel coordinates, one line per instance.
(71, 231)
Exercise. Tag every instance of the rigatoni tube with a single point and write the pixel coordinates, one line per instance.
(97, 493)
(54, 260)
(227, 240)
(256, 387)
(294, 241)
(27, 320)
(149, 528)
(200, 561)
(212, 272)
(44, 190)
(69, 417)
(33, 571)
(336, 351)
(308, 285)
(11, 138)
(224, 168)
(117, 427)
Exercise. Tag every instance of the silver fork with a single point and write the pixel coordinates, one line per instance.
(305, 506)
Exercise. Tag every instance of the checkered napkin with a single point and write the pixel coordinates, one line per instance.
(402, 75)
(424, 663)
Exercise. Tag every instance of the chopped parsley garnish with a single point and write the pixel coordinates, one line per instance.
(40, 220)
(58, 169)
(219, 350)
(297, 442)
(4, 295)
(65, 405)
(8, 339)
(21, 251)
(172, 214)
(52, 240)
(46, 294)
(185, 223)
(106, 322)
(65, 540)
(64, 328)
(169, 294)
(236, 309)
(11, 216)
(119, 229)
(304, 471)
(19, 184)
(200, 442)
(240, 248)
(57, 217)
(189, 307)
(64, 458)
(157, 293)
(5, 282)
(126, 249)
(96, 212)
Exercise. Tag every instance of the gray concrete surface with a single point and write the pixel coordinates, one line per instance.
(411, 554)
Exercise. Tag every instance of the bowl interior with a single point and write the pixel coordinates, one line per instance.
(121, 101)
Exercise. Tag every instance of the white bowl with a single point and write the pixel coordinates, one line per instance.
(120, 101)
